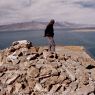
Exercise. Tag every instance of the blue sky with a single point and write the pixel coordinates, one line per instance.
(74, 11)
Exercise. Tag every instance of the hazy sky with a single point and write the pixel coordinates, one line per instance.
(76, 11)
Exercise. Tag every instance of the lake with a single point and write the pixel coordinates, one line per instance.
(62, 37)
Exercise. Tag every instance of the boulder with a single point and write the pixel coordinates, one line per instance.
(48, 70)
(21, 44)
(33, 72)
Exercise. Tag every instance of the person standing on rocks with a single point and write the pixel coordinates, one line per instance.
(49, 33)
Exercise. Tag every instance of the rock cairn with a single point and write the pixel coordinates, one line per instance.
(29, 70)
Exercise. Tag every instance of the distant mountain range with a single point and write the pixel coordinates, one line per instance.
(41, 25)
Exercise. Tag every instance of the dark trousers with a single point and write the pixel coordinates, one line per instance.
(51, 43)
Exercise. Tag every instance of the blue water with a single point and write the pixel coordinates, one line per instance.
(62, 37)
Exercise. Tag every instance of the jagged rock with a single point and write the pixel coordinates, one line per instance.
(54, 89)
(88, 65)
(23, 59)
(66, 57)
(85, 90)
(24, 91)
(48, 70)
(24, 65)
(93, 74)
(22, 44)
(32, 83)
(33, 72)
(39, 66)
(3, 69)
(41, 61)
(3, 91)
(23, 52)
(50, 81)
(47, 54)
(32, 57)
(82, 76)
(33, 50)
(17, 87)
(73, 86)
(50, 59)
(1, 56)
(38, 87)
(11, 67)
(40, 50)
(62, 77)
(12, 79)
(10, 89)
(13, 58)
(10, 50)
(74, 58)
(70, 73)
(56, 64)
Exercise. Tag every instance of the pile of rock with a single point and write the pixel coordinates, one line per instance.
(28, 70)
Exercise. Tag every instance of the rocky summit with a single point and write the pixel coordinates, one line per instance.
(29, 70)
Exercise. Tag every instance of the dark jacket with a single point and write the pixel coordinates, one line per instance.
(49, 31)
